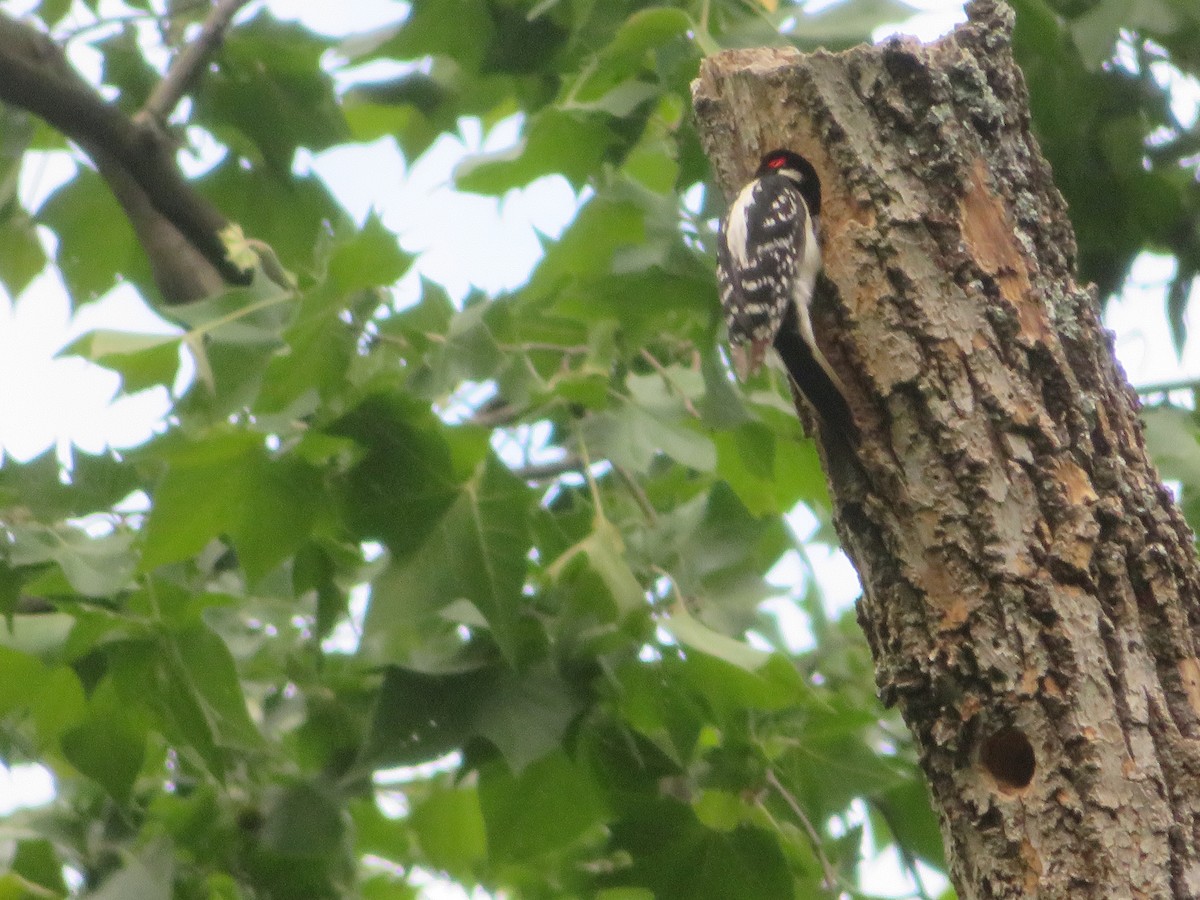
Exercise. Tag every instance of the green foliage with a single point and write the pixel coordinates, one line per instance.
(1099, 76)
(557, 649)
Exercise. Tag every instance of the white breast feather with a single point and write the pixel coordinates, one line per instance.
(810, 266)
(738, 233)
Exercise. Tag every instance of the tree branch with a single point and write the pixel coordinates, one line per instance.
(814, 837)
(549, 471)
(36, 76)
(186, 67)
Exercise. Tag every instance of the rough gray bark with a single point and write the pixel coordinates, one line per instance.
(1030, 589)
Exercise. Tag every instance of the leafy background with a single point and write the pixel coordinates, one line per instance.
(412, 582)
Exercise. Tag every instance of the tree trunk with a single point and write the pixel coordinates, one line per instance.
(1030, 588)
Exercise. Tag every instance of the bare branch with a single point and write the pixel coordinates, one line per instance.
(186, 67)
(639, 495)
(36, 76)
(549, 471)
(495, 413)
(814, 838)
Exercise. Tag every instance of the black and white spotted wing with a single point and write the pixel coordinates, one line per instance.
(759, 251)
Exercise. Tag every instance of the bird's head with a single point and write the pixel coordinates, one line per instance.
(796, 169)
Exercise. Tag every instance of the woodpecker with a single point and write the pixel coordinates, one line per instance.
(768, 260)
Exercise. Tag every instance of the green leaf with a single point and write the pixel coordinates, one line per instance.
(37, 862)
(53, 11)
(376, 833)
(143, 360)
(834, 762)
(449, 826)
(548, 806)
(17, 130)
(477, 553)
(571, 143)
(17, 672)
(459, 30)
(58, 703)
(733, 676)
(633, 435)
(715, 549)
(721, 810)
(200, 495)
(1096, 31)
(278, 513)
(657, 702)
(15, 887)
(126, 68)
(319, 347)
(770, 472)
(647, 294)
(627, 65)
(196, 700)
(50, 492)
(527, 714)
(228, 484)
(51, 697)
(304, 820)
(674, 856)
(1174, 441)
(386, 887)
(644, 30)
(414, 108)
(909, 816)
(693, 635)
(22, 257)
(207, 668)
(93, 566)
(406, 464)
(620, 102)
(147, 876)
(602, 227)
(255, 315)
(96, 245)
(372, 258)
(419, 717)
(109, 744)
(721, 406)
(269, 86)
(469, 351)
(604, 551)
(42, 635)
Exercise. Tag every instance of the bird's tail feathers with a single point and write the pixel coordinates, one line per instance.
(811, 377)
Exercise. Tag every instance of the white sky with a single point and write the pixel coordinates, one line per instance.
(48, 401)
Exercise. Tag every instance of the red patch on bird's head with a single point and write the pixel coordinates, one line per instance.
(777, 162)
